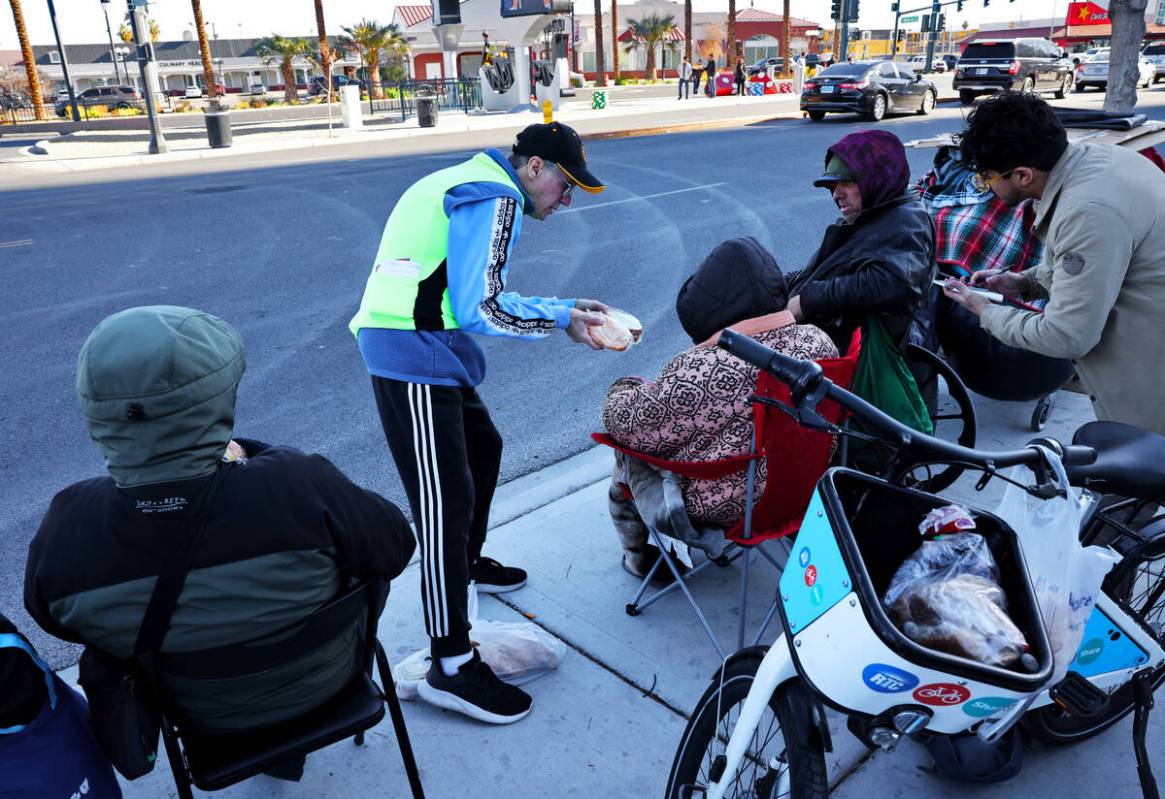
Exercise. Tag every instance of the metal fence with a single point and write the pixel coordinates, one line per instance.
(452, 94)
(17, 110)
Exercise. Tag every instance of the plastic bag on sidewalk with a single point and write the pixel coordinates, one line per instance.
(1065, 575)
(518, 652)
(946, 596)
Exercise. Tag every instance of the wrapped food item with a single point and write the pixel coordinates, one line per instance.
(618, 331)
(947, 596)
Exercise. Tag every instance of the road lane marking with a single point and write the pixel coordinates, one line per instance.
(18, 243)
(640, 197)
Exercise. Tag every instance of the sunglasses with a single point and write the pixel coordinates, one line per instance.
(567, 186)
(982, 184)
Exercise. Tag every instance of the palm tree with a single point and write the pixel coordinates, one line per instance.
(285, 50)
(688, 29)
(325, 56)
(615, 38)
(600, 62)
(731, 57)
(786, 30)
(651, 32)
(370, 39)
(204, 52)
(125, 33)
(29, 61)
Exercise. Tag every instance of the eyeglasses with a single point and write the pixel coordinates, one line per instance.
(982, 184)
(567, 186)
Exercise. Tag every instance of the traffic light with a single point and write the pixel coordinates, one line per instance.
(959, 5)
(925, 23)
(894, 7)
(986, 3)
(901, 35)
(835, 10)
(941, 22)
(853, 11)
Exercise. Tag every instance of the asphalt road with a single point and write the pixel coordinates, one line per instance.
(279, 245)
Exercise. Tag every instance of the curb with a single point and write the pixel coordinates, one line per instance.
(40, 148)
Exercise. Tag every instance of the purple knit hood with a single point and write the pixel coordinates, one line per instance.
(878, 158)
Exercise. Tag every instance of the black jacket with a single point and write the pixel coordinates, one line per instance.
(882, 264)
(284, 534)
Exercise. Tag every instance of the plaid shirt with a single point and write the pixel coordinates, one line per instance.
(975, 231)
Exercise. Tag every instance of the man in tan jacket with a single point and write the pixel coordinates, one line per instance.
(1100, 211)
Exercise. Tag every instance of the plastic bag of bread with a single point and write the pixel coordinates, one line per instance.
(947, 596)
(618, 331)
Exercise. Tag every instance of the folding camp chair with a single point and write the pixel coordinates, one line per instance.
(214, 761)
(796, 456)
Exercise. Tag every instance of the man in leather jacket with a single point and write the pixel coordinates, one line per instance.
(879, 257)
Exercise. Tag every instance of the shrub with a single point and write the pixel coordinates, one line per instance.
(576, 82)
(95, 112)
(242, 105)
(260, 104)
(127, 112)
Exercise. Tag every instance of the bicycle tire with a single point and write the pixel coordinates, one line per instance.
(1145, 601)
(792, 709)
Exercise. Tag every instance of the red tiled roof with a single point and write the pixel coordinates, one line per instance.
(757, 15)
(413, 15)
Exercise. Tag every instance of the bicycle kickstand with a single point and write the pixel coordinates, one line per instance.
(1143, 692)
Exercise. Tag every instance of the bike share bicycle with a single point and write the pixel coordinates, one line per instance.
(759, 731)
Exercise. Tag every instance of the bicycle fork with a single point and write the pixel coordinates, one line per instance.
(775, 668)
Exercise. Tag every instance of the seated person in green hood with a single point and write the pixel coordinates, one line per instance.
(285, 531)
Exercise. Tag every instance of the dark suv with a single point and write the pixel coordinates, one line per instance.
(1028, 65)
(107, 97)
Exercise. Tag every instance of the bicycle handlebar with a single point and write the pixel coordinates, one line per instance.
(805, 377)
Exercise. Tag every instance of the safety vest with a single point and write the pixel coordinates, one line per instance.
(408, 288)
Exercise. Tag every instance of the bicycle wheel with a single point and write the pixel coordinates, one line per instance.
(786, 759)
(1138, 582)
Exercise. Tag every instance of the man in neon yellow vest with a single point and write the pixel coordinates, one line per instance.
(440, 275)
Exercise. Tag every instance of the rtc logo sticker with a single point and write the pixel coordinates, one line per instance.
(887, 679)
(943, 694)
(983, 706)
(803, 557)
(810, 575)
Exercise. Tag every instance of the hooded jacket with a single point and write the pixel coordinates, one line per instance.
(881, 263)
(285, 532)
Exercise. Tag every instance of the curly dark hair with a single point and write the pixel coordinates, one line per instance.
(1013, 129)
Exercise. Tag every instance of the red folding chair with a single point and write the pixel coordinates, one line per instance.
(797, 457)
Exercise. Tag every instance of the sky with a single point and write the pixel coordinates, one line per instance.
(82, 21)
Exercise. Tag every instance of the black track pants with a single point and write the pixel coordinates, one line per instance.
(447, 452)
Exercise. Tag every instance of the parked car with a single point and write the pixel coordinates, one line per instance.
(918, 64)
(258, 88)
(316, 87)
(108, 97)
(872, 88)
(193, 91)
(1028, 65)
(950, 59)
(14, 101)
(776, 64)
(1155, 55)
(1095, 73)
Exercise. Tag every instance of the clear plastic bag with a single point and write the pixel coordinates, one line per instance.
(946, 596)
(1065, 575)
(518, 652)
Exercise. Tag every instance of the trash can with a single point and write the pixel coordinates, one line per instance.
(218, 128)
(426, 106)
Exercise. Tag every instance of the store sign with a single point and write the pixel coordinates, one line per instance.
(1091, 12)
(526, 8)
(911, 18)
(195, 62)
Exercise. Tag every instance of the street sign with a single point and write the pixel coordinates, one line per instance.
(911, 18)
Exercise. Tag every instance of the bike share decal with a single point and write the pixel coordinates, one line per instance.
(822, 580)
(983, 706)
(1105, 648)
(887, 679)
(942, 694)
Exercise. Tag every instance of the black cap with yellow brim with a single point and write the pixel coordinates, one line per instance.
(561, 145)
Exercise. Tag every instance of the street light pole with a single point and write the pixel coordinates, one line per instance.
(138, 22)
(64, 63)
(109, 33)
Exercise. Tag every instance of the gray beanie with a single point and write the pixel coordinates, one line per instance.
(157, 387)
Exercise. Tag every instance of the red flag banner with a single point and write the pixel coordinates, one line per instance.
(1087, 13)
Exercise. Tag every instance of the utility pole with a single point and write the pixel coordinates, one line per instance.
(64, 63)
(140, 23)
(935, 26)
(844, 39)
(109, 33)
(894, 36)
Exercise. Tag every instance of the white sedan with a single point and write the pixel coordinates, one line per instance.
(1095, 73)
(193, 91)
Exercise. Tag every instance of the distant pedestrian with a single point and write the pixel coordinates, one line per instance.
(740, 76)
(710, 79)
(697, 73)
(685, 78)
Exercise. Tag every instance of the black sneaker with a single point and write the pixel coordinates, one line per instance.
(494, 578)
(477, 692)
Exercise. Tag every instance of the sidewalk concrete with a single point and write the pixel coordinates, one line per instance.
(630, 112)
(608, 721)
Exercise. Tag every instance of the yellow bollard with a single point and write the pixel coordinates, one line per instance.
(547, 112)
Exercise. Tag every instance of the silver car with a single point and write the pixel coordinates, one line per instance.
(1155, 55)
(1095, 73)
